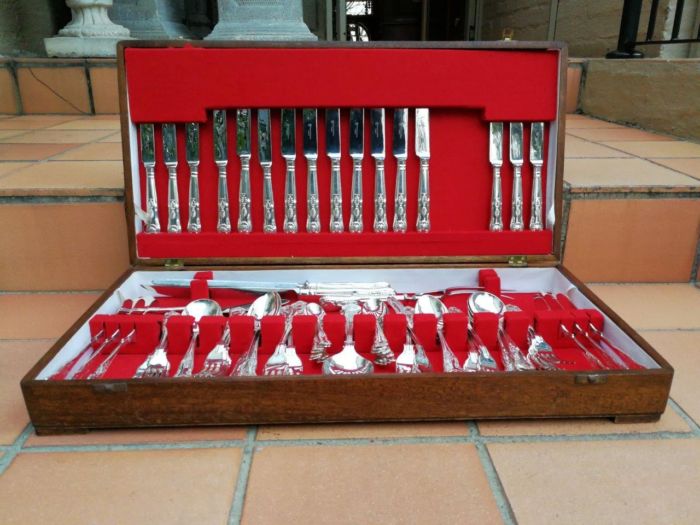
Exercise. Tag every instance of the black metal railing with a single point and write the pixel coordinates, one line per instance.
(629, 29)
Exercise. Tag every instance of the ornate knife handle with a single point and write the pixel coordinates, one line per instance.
(356, 197)
(400, 222)
(423, 222)
(496, 224)
(516, 221)
(224, 221)
(152, 222)
(194, 225)
(245, 224)
(290, 199)
(536, 213)
(336, 198)
(313, 223)
(380, 223)
(269, 225)
(173, 201)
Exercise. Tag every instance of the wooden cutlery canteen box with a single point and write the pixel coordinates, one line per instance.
(414, 168)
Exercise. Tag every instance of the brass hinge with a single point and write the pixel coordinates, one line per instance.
(517, 260)
(174, 264)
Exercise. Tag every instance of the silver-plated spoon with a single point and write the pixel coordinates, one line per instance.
(429, 304)
(269, 303)
(348, 361)
(197, 309)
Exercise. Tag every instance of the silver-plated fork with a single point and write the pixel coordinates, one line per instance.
(540, 353)
(406, 360)
(156, 363)
(218, 360)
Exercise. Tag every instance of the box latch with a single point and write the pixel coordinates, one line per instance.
(590, 379)
(174, 264)
(518, 261)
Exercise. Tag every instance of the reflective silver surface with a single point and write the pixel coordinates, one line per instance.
(223, 224)
(348, 361)
(429, 304)
(516, 159)
(400, 149)
(310, 144)
(537, 161)
(265, 158)
(148, 157)
(245, 221)
(170, 158)
(496, 160)
(357, 152)
(333, 152)
(378, 151)
(197, 309)
(194, 224)
(423, 153)
(289, 153)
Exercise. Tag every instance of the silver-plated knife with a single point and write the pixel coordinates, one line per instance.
(378, 150)
(223, 224)
(192, 152)
(310, 143)
(265, 158)
(357, 152)
(400, 146)
(516, 159)
(170, 158)
(245, 222)
(423, 153)
(496, 160)
(537, 160)
(148, 157)
(333, 152)
(289, 153)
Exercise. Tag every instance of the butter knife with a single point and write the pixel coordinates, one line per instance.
(379, 154)
(289, 153)
(170, 158)
(357, 152)
(496, 160)
(148, 157)
(423, 153)
(400, 147)
(516, 159)
(245, 223)
(333, 152)
(192, 152)
(223, 224)
(310, 144)
(265, 158)
(537, 160)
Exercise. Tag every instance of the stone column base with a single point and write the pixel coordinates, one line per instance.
(259, 30)
(73, 46)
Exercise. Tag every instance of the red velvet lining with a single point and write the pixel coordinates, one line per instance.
(460, 172)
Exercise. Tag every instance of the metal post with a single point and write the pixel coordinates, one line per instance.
(629, 27)
(341, 19)
(424, 21)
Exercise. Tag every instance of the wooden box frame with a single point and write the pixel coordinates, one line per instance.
(81, 405)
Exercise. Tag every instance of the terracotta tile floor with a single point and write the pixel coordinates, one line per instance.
(578, 471)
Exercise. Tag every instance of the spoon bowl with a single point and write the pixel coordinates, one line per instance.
(485, 302)
(201, 307)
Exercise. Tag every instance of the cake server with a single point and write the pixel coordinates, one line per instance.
(310, 143)
(148, 157)
(516, 159)
(537, 160)
(400, 147)
(265, 158)
(423, 153)
(223, 224)
(333, 152)
(379, 154)
(289, 153)
(192, 154)
(357, 147)
(496, 160)
(170, 158)
(245, 223)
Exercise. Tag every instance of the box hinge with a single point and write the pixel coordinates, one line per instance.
(518, 261)
(174, 264)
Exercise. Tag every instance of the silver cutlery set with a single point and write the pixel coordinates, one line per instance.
(516, 157)
(309, 147)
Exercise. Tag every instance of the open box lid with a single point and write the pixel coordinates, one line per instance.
(466, 85)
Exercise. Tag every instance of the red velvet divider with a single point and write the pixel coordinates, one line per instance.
(242, 333)
(303, 333)
(490, 281)
(516, 325)
(199, 289)
(455, 331)
(211, 328)
(271, 332)
(548, 324)
(486, 327)
(395, 326)
(97, 324)
(425, 328)
(461, 110)
(179, 333)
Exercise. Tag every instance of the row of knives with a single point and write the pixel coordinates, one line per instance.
(310, 149)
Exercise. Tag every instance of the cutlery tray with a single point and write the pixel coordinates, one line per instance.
(466, 86)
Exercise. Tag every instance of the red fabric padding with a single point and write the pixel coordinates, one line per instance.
(271, 332)
(516, 325)
(179, 333)
(455, 331)
(490, 281)
(303, 332)
(242, 332)
(548, 324)
(425, 328)
(97, 324)
(486, 327)
(199, 289)
(395, 331)
(211, 328)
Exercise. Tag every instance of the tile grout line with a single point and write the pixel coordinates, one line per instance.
(684, 416)
(497, 489)
(11, 452)
(236, 510)
(116, 447)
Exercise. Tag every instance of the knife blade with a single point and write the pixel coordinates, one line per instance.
(378, 152)
(192, 154)
(310, 145)
(537, 161)
(496, 160)
(265, 159)
(333, 152)
(516, 159)
(245, 221)
(148, 157)
(223, 224)
(357, 152)
(289, 154)
(400, 148)
(423, 153)
(170, 158)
